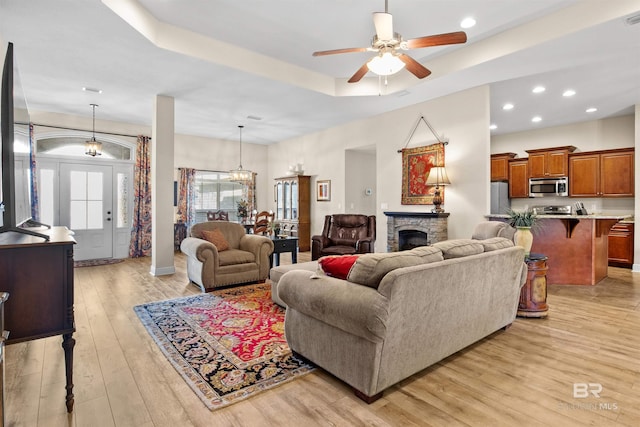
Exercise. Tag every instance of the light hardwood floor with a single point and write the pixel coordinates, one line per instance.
(520, 377)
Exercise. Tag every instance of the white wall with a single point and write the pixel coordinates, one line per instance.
(462, 117)
(360, 176)
(219, 155)
(604, 134)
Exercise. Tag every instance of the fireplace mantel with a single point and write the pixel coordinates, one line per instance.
(433, 224)
(418, 214)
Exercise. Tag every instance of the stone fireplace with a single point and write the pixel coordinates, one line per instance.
(406, 230)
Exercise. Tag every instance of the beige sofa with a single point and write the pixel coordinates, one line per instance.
(246, 260)
(398, 313)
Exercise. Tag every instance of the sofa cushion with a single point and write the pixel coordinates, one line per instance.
(235, 256)
(337, 266)
(495, 243)
(457, 248)
(369, 269)
(216, 237)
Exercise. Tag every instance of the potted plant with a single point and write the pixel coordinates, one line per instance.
(524, 222)
(243, 210)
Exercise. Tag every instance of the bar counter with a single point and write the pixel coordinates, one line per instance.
(576, 246)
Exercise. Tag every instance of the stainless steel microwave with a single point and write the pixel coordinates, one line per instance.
(547, 187)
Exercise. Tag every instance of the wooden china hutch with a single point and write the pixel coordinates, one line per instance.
(292, 195)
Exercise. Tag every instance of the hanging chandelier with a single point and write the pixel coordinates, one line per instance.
(240, 175)
(92, 147)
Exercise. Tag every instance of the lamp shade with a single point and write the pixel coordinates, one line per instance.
(385, 64)
(438, 176)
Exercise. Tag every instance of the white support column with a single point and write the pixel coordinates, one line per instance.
(162, 134)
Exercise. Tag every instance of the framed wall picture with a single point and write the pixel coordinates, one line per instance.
(323, 190)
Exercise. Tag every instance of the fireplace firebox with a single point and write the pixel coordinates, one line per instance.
(432, 228)
(409, 239)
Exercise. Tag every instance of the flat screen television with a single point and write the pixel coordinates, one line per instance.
(15, 197)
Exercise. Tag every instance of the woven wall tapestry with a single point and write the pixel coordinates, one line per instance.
(416, 164)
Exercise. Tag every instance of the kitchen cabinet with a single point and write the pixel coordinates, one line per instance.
(608, 173)
(548, 162)
(621, 245)
(500, 166)
(293, 208)
(518, 178)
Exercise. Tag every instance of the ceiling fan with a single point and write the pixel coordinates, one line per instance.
(387, 43)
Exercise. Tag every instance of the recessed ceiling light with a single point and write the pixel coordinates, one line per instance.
(468, 22)
(493, 127)
(91, 89)
(536, 119)
(539, 89)
(591, 110)
(569, 92)
(507, 106)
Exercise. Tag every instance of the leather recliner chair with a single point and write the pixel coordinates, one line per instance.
(345, 234)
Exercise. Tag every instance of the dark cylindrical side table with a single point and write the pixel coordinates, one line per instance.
(533, 295)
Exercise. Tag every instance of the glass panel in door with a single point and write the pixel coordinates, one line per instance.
(85, 208)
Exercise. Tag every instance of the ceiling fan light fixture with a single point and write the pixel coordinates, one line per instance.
(385, 64)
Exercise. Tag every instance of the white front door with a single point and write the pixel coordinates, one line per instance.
(86, 208)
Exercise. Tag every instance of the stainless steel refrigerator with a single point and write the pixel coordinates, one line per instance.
(500, 203)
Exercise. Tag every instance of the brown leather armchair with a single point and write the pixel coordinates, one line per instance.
(345, 234)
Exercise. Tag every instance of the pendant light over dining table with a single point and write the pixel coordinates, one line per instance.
(240, 175)
(92, 147)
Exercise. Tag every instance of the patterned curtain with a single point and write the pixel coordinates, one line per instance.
(35, 201)
(250, 193)
(141, 228)
(187, 196)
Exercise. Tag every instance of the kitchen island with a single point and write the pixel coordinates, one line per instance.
(576, 246)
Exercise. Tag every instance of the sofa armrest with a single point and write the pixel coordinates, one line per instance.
(260, 246)
(200, 249)
(322, 240)
(356, 309)
(364, 245)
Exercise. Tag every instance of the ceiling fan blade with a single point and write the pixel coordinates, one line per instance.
(437, 40)
(414, 67)
(384, 25)
(359, 74)
(335, 51)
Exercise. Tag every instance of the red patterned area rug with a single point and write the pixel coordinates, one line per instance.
(228, 345)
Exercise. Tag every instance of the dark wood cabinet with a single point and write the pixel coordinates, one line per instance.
(500, 166)
(38, 275)
(621, 245)
(293, 208)
(548, 162)
(607, 173)
(617, 173)
(518, 178)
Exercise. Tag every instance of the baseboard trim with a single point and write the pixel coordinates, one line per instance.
(162, 271)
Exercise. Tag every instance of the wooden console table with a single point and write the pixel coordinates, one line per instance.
(39, 277)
